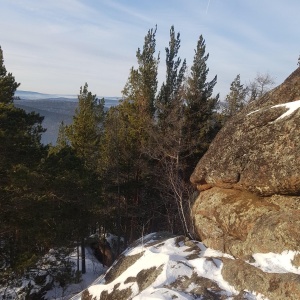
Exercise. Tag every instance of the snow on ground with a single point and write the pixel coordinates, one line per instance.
(276, 262)
(291, 106)
(180, 265)
(94, 269)
(173, 258)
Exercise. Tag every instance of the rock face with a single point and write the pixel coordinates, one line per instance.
(249, 179)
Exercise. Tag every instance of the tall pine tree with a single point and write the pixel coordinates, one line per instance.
(200, 111)
(85, 131)
(165, 144)
(133, 116)
(141, 86)
(20, 154)
(175, 71)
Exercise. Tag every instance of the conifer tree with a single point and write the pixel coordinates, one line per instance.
(170, 89)
(84, 135)
(20, 155)
(85, 131)
(62, 140)
(8, 85)
(134, 115)
(200, 123)
(165, 143)
(235, 100)
(141, 86)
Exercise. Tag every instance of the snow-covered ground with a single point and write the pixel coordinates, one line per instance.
(178, 263)
(179, 269)
(17, 290)
(94, 269)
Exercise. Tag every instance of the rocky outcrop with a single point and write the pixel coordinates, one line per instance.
(274, 286)
(249, 179)
(163, 266)
(241, 223)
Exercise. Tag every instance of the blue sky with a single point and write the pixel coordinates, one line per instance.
(55, 46)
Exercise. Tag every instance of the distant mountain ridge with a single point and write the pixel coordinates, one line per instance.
(29, 95)
(55, 108)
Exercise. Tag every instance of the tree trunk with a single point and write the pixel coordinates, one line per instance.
(77, 256)
(83, 268)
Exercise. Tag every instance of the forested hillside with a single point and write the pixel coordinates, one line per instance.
(124, 171)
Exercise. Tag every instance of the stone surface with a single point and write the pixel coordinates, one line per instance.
(240, 223)
(255, 152)
(249, 179)
(275, 286)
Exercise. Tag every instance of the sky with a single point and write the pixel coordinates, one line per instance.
(55, 46)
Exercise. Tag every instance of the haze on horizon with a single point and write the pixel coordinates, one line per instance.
(55, 46)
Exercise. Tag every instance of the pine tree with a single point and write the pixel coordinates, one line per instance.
(200, 122)
(165, 144)
(85, 131)
(126, 132)
(141, 86)
(84, 135)
(170, 89)
(235, 100)
(8, 85)
(75, 196)
(20, 155)
(62, 139)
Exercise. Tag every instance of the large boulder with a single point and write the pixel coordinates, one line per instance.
(242, 223)
(249, 179)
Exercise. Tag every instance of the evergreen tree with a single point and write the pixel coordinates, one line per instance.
(174, 77)
(75, 194)
(165, 145)
(62, 140)
(235, 100)
(200, 110)
(8, 85)
(126, 132)
(20, 155)
(141, 86)
(84, 135)
(85, 131)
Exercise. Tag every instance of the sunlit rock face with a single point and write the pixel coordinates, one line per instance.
(249, 179)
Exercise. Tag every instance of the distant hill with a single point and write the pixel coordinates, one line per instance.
(55, 109)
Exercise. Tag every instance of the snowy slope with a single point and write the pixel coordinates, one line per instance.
(174, 268)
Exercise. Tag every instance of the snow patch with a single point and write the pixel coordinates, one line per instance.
(291, 106)
(276, 262)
